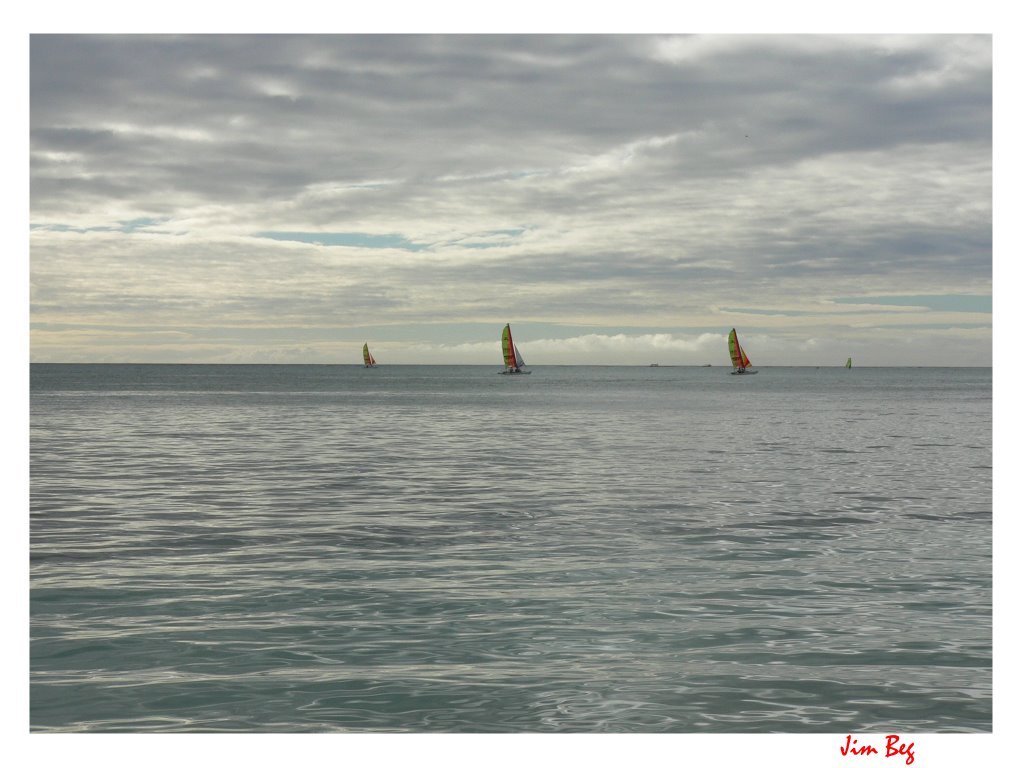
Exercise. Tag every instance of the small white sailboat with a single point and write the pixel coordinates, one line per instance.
(368, 361)
(510, 353)
(740, 361)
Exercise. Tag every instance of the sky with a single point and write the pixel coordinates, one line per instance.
(619, 199)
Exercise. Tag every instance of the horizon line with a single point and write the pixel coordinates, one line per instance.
(495, 365)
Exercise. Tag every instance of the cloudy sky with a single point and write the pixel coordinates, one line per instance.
(617, 199)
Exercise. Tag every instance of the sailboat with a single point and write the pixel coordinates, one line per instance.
(368, 361)
(740, 361)
(849, 362)
(510, 353)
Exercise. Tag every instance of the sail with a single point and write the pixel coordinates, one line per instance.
(849, 362)
(508, 349)
(510, 353)
(368, 360)
(739, 357)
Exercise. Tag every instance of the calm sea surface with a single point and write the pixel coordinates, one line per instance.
(441, 549)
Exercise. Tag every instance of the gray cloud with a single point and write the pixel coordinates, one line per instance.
(647, 180)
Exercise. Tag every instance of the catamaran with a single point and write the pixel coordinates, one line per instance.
(368, 361)
(740, 361)
(510, 352)
(849, 362)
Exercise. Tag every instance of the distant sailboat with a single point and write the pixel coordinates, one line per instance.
(849, 362)
(368, 361)
(740, 361)
(510, 353)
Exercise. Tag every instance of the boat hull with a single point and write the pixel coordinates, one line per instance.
(743, 373)
(515, 373)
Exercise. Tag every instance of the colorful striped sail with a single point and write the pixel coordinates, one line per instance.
(740, 361)
(368, 361)
(510, 354)
(508, 349)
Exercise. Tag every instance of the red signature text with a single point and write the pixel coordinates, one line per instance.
(893, 746)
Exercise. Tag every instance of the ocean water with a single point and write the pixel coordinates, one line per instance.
(441, 549)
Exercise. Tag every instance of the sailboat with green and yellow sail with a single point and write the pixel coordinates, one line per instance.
(510, 353)
(368, 361)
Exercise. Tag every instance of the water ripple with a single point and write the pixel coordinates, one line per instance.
(328, 552)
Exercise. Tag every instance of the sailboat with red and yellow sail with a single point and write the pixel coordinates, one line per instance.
(510, 353)
(740, 361)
